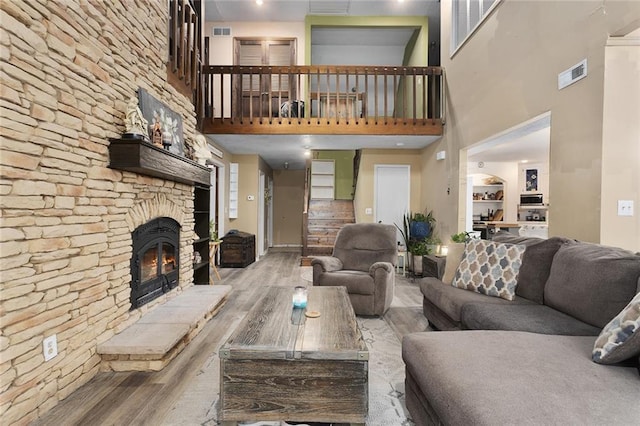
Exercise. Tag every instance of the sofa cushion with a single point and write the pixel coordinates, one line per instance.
(620, 339)
(490, 268)
(518, 378)
(536, 266)
(533, 318)
(592, 282)
(451, 299)
(536, 263)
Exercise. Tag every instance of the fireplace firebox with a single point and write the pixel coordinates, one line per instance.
(155, 261)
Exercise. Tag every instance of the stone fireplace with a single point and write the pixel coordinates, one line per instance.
(155, 260)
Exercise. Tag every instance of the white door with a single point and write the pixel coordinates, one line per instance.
(261, 216)
(391, 194)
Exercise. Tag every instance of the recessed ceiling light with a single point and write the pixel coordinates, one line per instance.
(399, 143)
(259, 2)
(524, 161)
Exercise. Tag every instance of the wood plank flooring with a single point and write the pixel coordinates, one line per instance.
(145, 398)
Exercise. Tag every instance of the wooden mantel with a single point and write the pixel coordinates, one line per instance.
(138, 156)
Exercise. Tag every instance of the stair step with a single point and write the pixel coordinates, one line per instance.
(323, 241)
(318, 250)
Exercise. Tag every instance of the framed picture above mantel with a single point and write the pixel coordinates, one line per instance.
(170, 122)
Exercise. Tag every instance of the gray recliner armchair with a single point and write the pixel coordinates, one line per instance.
(363, 260)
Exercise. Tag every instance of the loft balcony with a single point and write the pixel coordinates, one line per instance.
(347, 100)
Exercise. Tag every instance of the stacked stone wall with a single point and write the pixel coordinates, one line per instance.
(68, 71)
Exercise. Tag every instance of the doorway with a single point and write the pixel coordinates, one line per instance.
(259, 95)
(391, 194)
(509, 155)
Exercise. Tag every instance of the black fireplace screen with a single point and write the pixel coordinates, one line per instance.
(155, 260)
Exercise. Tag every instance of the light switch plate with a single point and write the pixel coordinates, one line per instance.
(368, 211)
(625, 207)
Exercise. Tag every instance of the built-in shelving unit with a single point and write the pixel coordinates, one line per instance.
(201, 227)
(323, 179)
(488, 199)
(233, 191)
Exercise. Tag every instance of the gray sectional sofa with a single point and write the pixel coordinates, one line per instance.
(528, 360)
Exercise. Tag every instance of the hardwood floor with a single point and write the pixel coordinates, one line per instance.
(145, 398)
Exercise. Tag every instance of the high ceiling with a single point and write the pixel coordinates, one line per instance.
(330, 46)
(296, 10)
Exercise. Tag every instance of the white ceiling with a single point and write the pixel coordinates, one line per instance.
(296, 10)
(529, 143)
(278, 149)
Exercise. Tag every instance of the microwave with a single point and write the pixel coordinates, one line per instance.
(531, 200)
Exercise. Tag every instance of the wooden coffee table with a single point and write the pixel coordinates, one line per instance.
(281, 365)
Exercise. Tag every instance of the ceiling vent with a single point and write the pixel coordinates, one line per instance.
(573, 74)
(322, 7)
(221, 31)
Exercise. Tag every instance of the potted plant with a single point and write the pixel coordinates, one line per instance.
(417, 250)
(213, 232)
(432, 242)
(461, 237)
(421, 225)
(405, 230)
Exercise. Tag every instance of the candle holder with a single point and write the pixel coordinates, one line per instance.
(300, 297)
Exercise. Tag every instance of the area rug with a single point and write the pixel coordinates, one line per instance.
(199, 403)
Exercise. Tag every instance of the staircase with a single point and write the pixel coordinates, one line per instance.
(326, 217)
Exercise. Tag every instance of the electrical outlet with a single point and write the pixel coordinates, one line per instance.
(50, 347)
(625, 207)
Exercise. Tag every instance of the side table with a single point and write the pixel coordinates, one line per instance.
(213, 249)
(402, 268)
(433, 266)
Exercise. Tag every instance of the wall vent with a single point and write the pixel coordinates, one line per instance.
(573, 74)
(324, 7)
(221, 31)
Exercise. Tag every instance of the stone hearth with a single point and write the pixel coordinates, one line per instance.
(155, 339)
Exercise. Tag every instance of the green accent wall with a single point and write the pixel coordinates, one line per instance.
(343, 171)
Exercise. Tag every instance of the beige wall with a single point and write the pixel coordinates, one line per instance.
(365, 187)
(621, 142)
(514, 79)
(249, 167)
(288, 202)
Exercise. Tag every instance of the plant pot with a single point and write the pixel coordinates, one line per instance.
(416, 264)
(419, 230)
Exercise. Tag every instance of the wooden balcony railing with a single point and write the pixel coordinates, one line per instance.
(322, 100)
(185, 45)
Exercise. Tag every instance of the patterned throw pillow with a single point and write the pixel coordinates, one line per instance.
(620, 339)
(490, 268)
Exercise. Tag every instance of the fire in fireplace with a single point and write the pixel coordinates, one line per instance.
(155, 260)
